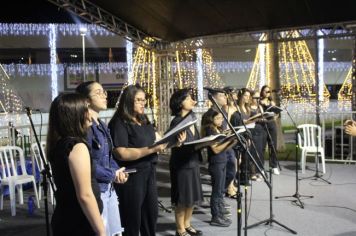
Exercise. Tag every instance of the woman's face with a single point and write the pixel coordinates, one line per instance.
(255, 97)
(218, 120)
(246, 97)
(188, 103)
(140, 102)
(98, 98)
(266, 92)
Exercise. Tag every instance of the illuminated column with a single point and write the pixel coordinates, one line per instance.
(321, 66)
(262, 62)
(200, 76)
(53, 60)
(130, 74)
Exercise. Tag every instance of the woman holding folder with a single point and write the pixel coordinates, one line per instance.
(211, 124)
(133, 135)
(186, 189)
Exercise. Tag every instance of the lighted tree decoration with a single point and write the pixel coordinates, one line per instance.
(345, 93)
(9, 99)
(296, 72)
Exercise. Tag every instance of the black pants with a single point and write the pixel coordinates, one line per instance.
(217, 172)
(139, 203)
(259, 138)
(272, 129)
(230, 167)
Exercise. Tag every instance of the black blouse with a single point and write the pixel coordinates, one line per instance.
(68, 215)
(131, 135)
(212, 157)
(185, 156)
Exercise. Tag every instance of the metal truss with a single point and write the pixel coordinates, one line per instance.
(335, 30)
(94, 14)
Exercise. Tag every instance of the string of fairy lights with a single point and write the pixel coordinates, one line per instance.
(344, 95)
(10, 101)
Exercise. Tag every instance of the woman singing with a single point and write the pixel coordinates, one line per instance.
(186, 189)
(266, 102)
(133, 136)
(78, 203)
(107, 171)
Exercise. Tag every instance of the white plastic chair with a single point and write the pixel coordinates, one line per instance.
(310, 144)
(9, 158)
(40, 165)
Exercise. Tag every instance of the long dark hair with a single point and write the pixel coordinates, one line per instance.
(67, 118)
(240, 94)
(175, 103)
(207, 121)
(125, 108)
(261, 92)
(85, 88)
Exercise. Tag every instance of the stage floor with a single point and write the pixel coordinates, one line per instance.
(332, 211)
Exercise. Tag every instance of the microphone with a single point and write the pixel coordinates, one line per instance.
(214, 90)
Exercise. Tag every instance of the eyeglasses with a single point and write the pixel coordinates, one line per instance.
(139, 100)
(267, 91)
(100, 92)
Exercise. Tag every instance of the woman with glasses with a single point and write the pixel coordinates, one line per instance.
(107, 171)
(212, 124)
(186, 189)
(133, 136)
(258, 135)
(78, 203)
(266, 102)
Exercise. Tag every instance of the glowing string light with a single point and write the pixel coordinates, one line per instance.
(53, 60)
(200, 76)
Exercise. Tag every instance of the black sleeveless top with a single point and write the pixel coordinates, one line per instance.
(68, 217)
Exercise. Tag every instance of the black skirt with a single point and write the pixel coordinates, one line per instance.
(186, 188)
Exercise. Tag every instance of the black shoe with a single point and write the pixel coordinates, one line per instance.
(185, 233)
(194, 232)
(226, 219)
(218, 221)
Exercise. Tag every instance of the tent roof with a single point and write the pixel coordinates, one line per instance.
(174, 20)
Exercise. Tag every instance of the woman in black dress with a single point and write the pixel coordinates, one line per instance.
(237, 119)
(186, 188)
(133, 135)
(258, 134)
(78, 204)
(266, 102)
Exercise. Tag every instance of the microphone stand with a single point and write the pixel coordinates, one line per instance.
(244, 145)
(46, 173)
(271, 219)
(239, 195)
(296, 194)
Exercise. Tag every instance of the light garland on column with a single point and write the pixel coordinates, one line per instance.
(53, 56)
(199, 65)
(129, 62)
